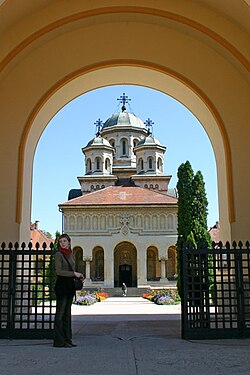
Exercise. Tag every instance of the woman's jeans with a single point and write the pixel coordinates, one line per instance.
(62, 323)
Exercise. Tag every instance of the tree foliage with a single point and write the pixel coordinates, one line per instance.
(192, 206)
(199, 210)
(192, 211)
(47, 234)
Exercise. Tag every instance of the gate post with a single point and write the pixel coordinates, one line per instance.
(183, 289)
(11, 291)
(239, 290)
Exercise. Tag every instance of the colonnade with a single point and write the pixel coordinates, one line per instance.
(139, 262)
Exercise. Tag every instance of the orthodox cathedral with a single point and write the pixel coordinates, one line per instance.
(123, 219)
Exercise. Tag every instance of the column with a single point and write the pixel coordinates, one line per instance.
(163, 269)
(108, 269)
(141, 266)
(87, 281)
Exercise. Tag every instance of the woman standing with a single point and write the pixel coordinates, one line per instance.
(65, 291)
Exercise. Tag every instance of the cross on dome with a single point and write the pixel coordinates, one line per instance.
(124, 99)
(149, 125)
(98, 125)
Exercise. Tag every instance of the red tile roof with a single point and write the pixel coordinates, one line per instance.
(215, 232)
(119, 195)
(38, 236)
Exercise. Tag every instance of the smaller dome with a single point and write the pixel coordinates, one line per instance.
(98, 141)
(149, 140)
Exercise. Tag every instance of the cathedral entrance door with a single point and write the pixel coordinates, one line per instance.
(125, 274)
(125, 264)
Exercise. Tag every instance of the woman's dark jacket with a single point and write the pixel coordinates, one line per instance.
(65, 275)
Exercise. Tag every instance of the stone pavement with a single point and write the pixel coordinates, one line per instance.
(126, 336)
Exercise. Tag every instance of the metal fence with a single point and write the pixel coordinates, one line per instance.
(26, 291)
(216, 291)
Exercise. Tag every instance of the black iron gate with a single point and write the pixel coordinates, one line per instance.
(216, 292)
(26, 292)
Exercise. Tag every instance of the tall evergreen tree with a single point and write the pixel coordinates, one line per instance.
(184, 187)
(192, 210)
(199, 210)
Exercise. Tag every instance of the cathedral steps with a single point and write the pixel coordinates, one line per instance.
(131, 291)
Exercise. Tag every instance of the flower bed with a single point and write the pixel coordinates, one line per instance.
(86, 298)
(163, 296)
(101, 296)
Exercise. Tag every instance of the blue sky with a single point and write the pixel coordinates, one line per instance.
(59, 160)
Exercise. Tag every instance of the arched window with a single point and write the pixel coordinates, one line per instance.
(89, 166)
(107, 165)
(124, 147)
(135, 142)
(98, 164)
(150, 163)
(142, 165)
(159, 164)
(112, 143)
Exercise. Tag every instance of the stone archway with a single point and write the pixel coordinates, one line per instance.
(171, 266)
(220, 103)
(142, 75)
(153, 264)
(97, 264)
(125, 265)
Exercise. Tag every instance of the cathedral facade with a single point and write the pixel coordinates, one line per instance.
(123, 219)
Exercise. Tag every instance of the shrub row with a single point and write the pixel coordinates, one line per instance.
(163, 296)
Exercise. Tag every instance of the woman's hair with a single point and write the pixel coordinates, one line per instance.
(65, 235)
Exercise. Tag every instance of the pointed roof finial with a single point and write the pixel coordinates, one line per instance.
(123, 100)
(98, 125)
(149, 125)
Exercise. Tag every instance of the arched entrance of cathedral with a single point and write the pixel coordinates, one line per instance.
(125, 265)
(153, 264)
(97, 264)
(171, 266)
(45, 65)
(79, 263)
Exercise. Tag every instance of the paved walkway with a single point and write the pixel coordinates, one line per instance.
(126, 336)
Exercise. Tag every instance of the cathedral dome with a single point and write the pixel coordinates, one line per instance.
(124, 119)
